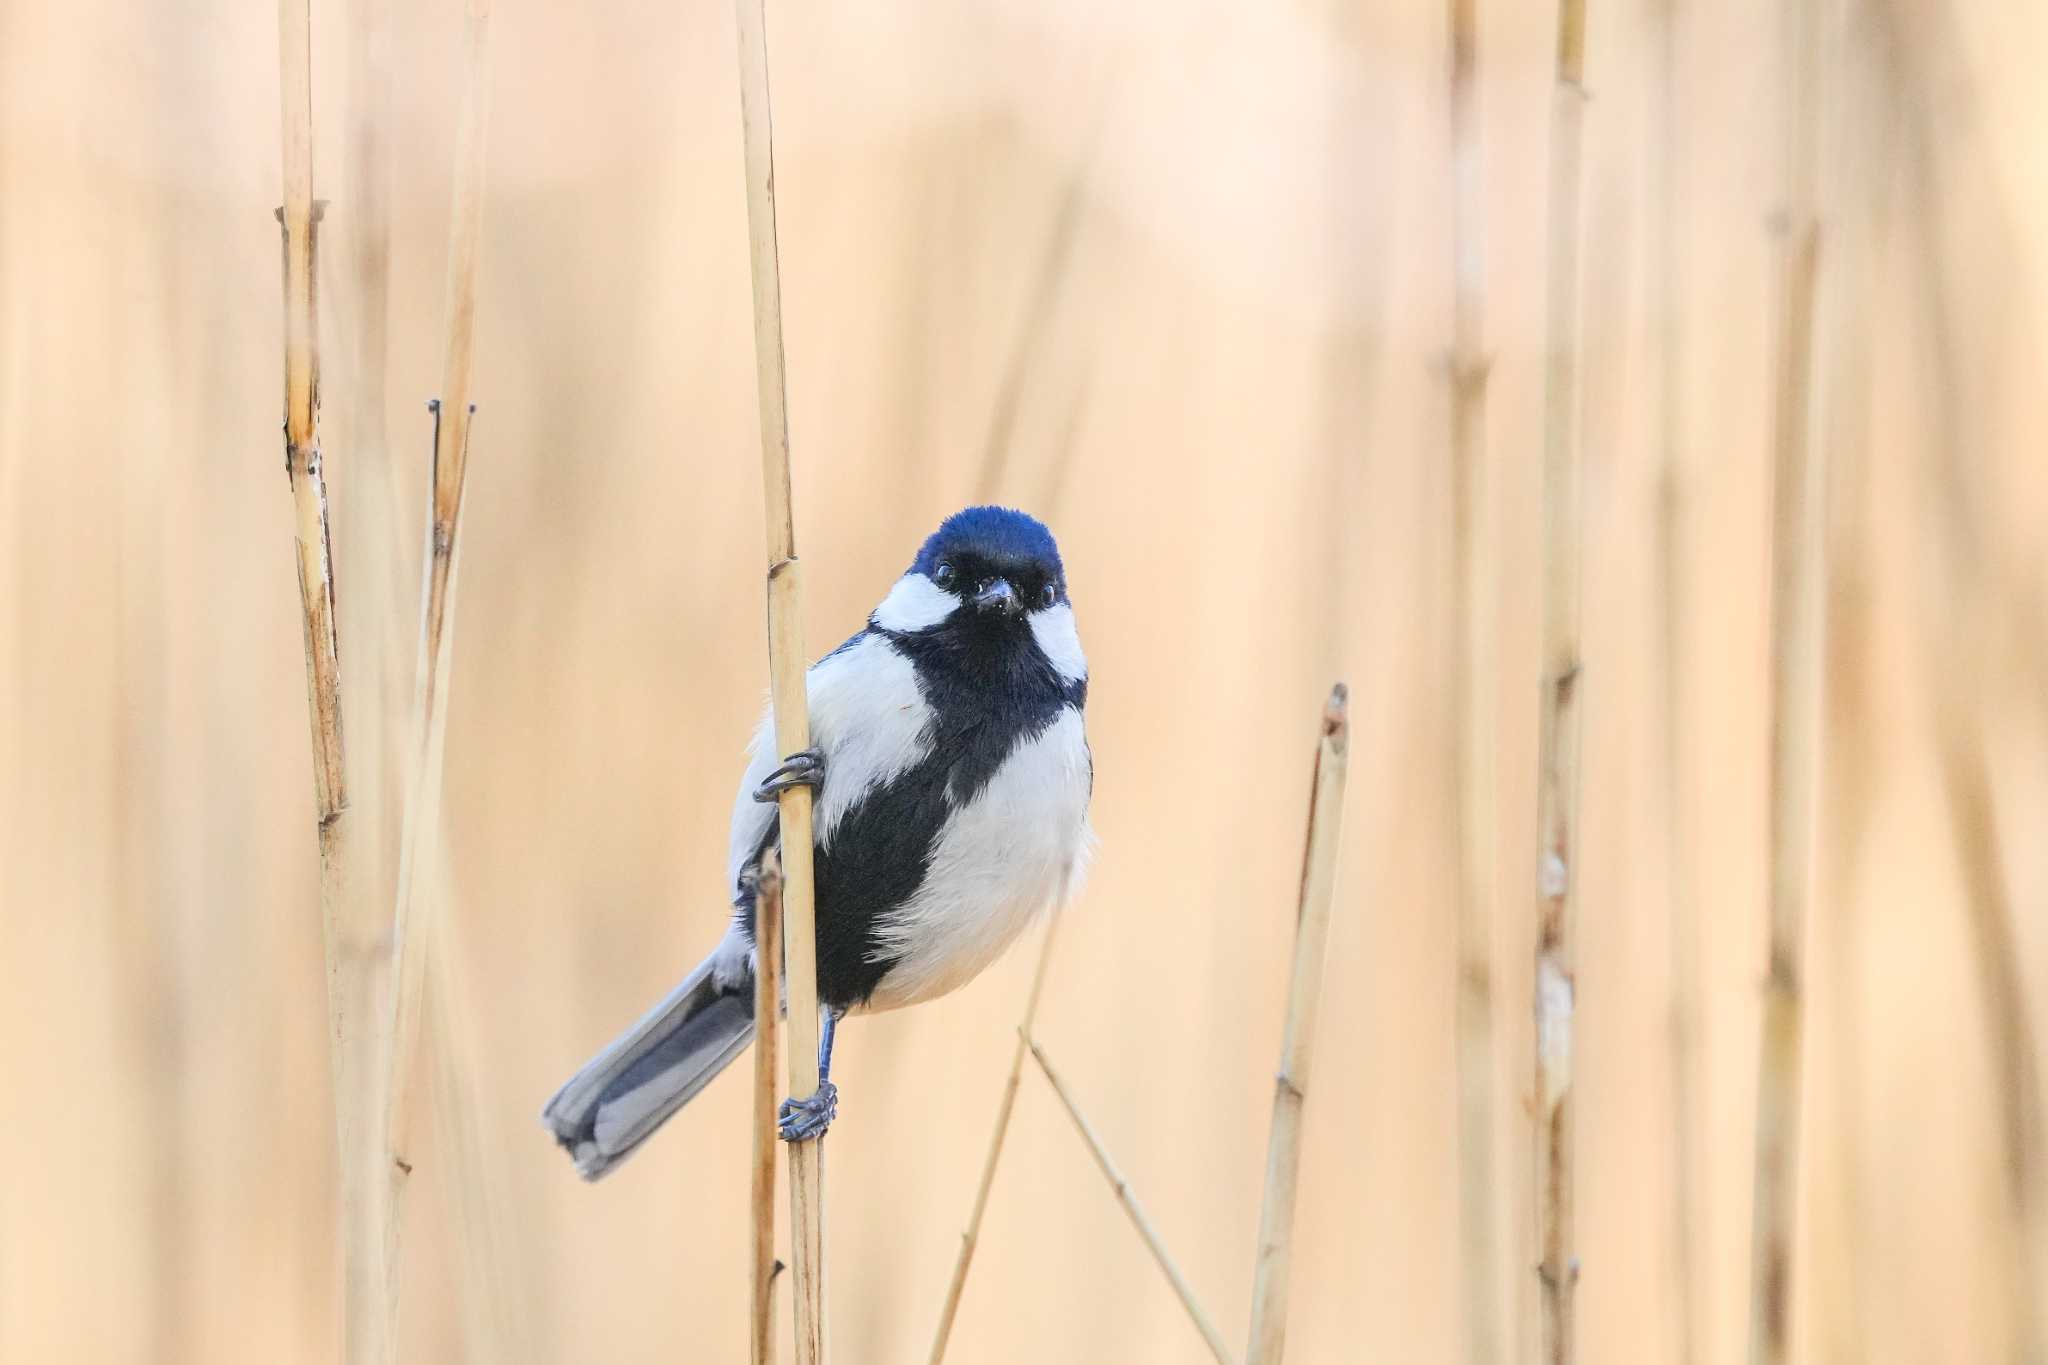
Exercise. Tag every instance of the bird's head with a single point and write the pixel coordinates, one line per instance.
(991, 575)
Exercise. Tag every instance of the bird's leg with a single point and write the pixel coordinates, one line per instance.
(804, 768)
(802, 1120)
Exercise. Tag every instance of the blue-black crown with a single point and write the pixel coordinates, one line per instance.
(996, 533)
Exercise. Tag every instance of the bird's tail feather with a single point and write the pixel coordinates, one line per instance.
(625, 1092)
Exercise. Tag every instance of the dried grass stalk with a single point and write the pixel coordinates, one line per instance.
(349, 931)
(494, 1313)
(1797, 550)
(1472, 686)
(972, 1236)
(1665, 156)
(1274, 1263)
(417, 912)
(1557, 806)
(767, 1029)
(1122, 1189)
(1795, 671)
(786, 662)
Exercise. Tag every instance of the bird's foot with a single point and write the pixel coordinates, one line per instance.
(804, 768)
(802, 1120)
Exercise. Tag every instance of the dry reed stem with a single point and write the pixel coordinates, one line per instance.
(1797, 554)
(493, 1307)
(1795, 673)
(1122, 1189)
(1557, 806)
(417, 911)
(1662, 163)
(1472, 685)
(786, 662)
(1274, 1262)
(767, 1028)
(350, 934)
(972, 1236)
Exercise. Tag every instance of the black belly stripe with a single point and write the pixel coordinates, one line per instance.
(989, 692)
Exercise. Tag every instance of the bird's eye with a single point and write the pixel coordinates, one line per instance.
(1048, 595)
(944, 576)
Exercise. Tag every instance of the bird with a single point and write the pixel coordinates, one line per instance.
(952, 779)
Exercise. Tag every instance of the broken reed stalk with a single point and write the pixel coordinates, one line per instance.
(1663, 161)
(1274, 1262)
(786, 663)
(1122, 1189)
(1797, 547)
(349, 934)
(972, 1236)
(417, 911)
(1557, 801)
(767, 1028)
(1472, 687)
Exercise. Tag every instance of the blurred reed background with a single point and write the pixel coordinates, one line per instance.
(1177, 278)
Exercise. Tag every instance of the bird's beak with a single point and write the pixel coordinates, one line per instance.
(998, 595)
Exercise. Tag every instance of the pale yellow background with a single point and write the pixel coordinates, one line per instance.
(1176, 277)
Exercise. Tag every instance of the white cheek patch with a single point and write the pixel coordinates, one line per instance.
(1053, 628)
(915, 603)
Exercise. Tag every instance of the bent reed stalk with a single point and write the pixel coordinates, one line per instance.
(416, 917)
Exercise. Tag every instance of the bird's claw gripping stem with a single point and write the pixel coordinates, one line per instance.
(804, 768)
(802, 1120)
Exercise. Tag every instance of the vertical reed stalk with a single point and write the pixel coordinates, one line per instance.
(971, 1238)
(1122, 1189)
(1472, 688)
(786, 675)
(1797, 550)
(349, 934)
(417, 912)
(1672, 595)
(1557, 804)
(1273, 1265)
(767, 1028)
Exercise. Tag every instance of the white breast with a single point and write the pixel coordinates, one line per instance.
(869, 718)
(1008, 854)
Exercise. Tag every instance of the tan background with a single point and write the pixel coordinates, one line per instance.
(1177, 278)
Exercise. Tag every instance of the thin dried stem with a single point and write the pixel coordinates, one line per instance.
(767, 1029)
(1662, 164)
(972, 1236)
(1798, 536)
(1472, 687)
(350, 934)
(493, 1306)
(1557, 803)
(417, 909)
(786, 676)
(1122, 1188)
(1274, 1263)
